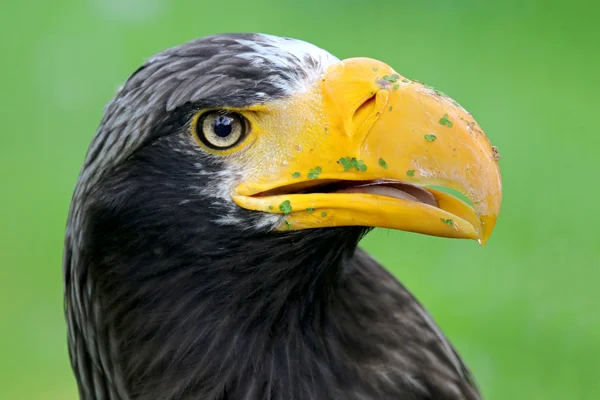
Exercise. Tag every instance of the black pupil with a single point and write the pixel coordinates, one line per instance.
(222, 126)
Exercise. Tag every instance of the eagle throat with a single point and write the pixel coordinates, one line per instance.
(175, 302)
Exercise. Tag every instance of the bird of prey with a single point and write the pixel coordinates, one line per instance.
(211, 244)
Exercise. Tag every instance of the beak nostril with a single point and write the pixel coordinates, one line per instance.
(364, 111)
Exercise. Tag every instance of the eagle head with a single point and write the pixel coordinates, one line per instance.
(221, 202)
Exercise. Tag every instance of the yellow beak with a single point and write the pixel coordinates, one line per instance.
(380, 140)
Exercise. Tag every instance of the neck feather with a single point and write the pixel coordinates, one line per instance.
(167, 300)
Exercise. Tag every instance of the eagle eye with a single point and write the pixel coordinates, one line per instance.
(221, 130)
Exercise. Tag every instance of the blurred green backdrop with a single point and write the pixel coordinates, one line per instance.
(523, 311)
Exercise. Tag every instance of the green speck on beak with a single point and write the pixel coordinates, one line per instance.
(349, 163)
(446, 121)
(285, 207)
(314, 173)
(392, 78)
(448, 222)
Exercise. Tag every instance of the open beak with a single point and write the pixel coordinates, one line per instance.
(382, 141)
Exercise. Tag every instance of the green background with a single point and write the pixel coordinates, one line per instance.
(523, 310)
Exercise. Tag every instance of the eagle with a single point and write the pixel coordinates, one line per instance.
(211, 249)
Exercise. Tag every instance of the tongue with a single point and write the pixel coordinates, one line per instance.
(402, 191)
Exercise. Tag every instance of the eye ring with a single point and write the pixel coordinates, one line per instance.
(220, 129)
